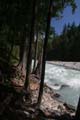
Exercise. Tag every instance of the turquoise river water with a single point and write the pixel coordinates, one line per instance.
(64, 81)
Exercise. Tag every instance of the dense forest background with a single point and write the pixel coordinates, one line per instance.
(66, 46)
(15, 30)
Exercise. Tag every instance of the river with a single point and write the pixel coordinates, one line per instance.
(64, 81)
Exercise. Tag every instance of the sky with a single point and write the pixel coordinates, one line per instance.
(68, 17)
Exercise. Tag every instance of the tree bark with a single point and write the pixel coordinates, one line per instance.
(26, 84)
(36, 51)
(12, 44)
(11, 49)
(37, 70)
(44, 55)
(23, 53)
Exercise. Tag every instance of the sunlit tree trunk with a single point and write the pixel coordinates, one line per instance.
(44, 55)
(37, 70)
(36, 51)
(38, 67)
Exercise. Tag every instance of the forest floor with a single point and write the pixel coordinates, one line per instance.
(14, 106)
(50, 106)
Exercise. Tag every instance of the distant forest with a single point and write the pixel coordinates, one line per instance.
(66, 47)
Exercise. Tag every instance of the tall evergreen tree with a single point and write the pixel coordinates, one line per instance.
(44, 54)
(29, 57)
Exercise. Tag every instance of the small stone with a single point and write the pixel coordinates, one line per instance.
(56, 95)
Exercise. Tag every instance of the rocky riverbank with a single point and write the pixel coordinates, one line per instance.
(70, 65)
(50, 109)
(50, 104)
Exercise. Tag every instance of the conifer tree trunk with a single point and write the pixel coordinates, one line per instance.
(26, 84)
(44, 55)
(37, 70)
(36, 51)
(21, 50)
(11, 50)
(12, 44)
(23, 53)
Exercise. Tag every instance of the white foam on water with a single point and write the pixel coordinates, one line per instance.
(75, 83)
(61, 76)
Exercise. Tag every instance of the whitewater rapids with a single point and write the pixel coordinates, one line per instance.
(64, 81)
